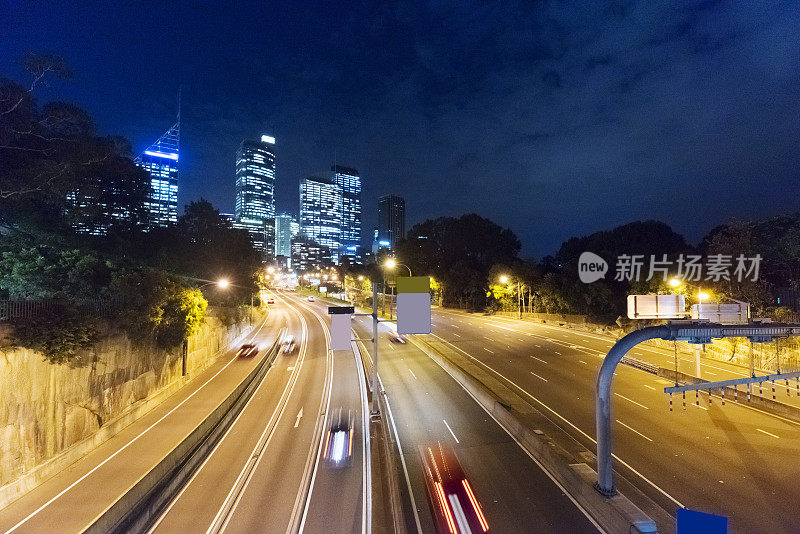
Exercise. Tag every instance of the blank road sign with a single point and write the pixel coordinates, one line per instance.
(413, 305)
(340, 331)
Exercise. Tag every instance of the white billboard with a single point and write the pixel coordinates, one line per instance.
(736, 313)
(656, 306)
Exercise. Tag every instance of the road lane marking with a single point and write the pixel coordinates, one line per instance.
(557, 352)
(541, 360)
(567, 421)
(633, 430)
(487, 350)
(451, 431)
(490, 339)
(649, 387)
(768, 433)
(631, 400)
(539, 377)
(537, 345)
(455, 326)
(145, 431)
(412, 374)
(299, 416)
(583, 362)
(457, 335)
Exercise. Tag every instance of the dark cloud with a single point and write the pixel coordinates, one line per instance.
(552, 118)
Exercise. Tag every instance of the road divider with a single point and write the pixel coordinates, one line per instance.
(616, 514)
(141, 504)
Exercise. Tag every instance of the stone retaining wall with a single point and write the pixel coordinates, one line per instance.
(46, 408)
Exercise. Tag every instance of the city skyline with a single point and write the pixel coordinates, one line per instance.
(628, 107)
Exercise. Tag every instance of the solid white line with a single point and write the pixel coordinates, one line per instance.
(228, 505)
(323, 418)
(767, 433)
(402, 461)
(366, 454)
(540, 377)
(451, 431)
(631, 400)
(567, 421)
(633, 430)
(649, 387)
(145, 431)
(412, 374)
(541, 360)
(537, 462)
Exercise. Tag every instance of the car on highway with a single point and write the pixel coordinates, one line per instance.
(289, 344)
(271, 300)
(310, 298)
(247, 350)
(339, 441)
(455, 507)
(394, 337)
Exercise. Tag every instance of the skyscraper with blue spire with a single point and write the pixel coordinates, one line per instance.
(161, 161)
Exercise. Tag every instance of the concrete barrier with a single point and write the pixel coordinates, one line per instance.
(140, 505)
(615, 514)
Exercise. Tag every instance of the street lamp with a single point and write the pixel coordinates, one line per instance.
(390, 264)
(222, 283)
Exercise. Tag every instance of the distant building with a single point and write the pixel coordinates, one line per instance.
(94, 207)
(255, 192)
(286, 227)
(308, 255)
(349, 183)
(161, 161)
(320, 213)
(391, 221)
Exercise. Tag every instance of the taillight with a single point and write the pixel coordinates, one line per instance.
(474, 501)
(451, 525)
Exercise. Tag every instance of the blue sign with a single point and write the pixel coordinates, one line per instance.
(693, 522)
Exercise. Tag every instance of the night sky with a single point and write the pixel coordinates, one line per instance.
(554, 119)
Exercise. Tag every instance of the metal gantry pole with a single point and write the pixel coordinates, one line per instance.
(375, 385)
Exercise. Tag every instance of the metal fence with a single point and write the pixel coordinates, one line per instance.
(30, 309)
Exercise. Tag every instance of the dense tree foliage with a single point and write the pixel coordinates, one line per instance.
(57, 177)
(458, 253)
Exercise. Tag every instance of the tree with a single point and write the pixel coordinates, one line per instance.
(458, 253)
(51, 152)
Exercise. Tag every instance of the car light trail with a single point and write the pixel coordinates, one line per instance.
(474, 501)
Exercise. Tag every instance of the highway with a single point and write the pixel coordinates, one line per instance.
(269, 472)
(427, 407)
(74, 497)
(728, 460)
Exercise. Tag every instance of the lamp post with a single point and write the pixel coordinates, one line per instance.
(390, 264)
(222, 283)
(701, 296)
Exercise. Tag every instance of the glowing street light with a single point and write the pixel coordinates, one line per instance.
(270, 269)
(674, 282)
(703, 296)
(360, 277)
(390, 263)
(503, 279)
(223, 283)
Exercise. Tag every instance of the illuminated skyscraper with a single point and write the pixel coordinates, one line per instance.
(320, 212)
(286, 227)
(255, 188)
(391, 221)
(161, 161)
(349, 184)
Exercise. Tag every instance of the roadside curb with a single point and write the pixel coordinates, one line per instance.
(137, 507)
(615, 514)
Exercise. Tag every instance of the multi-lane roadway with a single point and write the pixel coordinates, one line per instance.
(728, 460)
